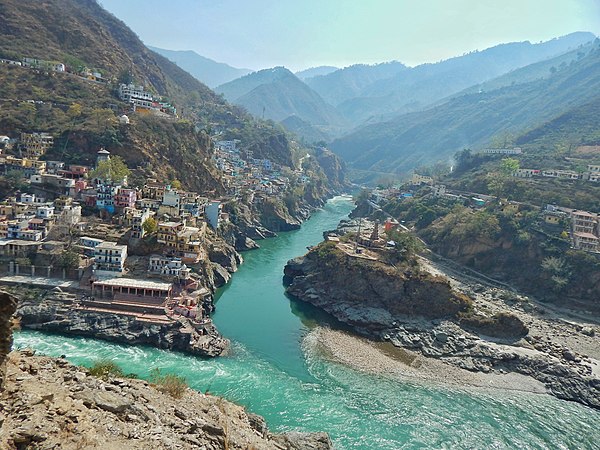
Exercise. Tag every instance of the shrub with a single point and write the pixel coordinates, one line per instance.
(169, 383)
(105, 369)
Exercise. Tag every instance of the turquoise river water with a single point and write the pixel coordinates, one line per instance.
(276, 373)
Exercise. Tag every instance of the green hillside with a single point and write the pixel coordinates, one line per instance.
(81, 33)
(470, 120)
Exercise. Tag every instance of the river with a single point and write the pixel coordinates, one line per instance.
(277, 373)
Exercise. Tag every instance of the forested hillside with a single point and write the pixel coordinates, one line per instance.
(471, 120)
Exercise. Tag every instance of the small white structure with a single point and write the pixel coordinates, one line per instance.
(124, 120)
(502, 151)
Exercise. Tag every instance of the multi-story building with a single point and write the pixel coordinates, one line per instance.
(136, 96)
(527, 173)
(183, 241)
(137, 221)
(213, 213)
(105, 196)
(418, 180)
(89, 244)
(168, 266)
(109, 259)
(34, 145)
(125, 198)
(585, 230)
(502, 151)
(167, 233)
(153, 190)
(584, 222)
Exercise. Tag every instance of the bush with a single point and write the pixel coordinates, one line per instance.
(171, 384)
(106, 369)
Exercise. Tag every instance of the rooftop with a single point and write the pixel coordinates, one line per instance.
(134, 283)
(111, 246)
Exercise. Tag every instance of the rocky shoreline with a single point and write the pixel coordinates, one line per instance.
(562, 354)
(49, 403)
(56, 312)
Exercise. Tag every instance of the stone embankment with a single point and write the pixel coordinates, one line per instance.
(57, 312)
(48, 403)
(477, 328)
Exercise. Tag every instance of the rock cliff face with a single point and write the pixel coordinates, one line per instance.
(49, 403)
(368, 294)
(8, 305)
(56, 313)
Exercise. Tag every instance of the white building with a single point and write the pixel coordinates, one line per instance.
(502, 151)
(136, 95)
(168, 266)
(109, 259)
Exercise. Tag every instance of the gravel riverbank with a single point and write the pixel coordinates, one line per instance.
(390, 361)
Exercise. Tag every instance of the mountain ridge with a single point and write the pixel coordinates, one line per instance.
(206, 70)
(469, 120)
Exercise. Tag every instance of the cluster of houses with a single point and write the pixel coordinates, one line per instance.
(140, 100)
(244, 175)
(27, 217)
(592, 174)
(57, 66)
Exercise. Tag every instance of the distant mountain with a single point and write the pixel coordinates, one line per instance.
(210, 72)
(278, 94)
(577, 126)
(315, 71)
(414, 89)
(347, 83)
(302, 128)
(471, 120)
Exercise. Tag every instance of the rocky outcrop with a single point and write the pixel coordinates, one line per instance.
(8, 305)
(49, 403)
(417, 311)
(226, 256)
(57, 313)
(368, 294)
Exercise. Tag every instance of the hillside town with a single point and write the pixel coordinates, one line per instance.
(582, 228)
(74, 227)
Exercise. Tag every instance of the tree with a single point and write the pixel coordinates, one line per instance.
(125, 77)
(150, 225)
(68, 259)
(509, 166)
(74, 111)
(407, 245)
(113, 169)
(362, 196)
(15, 179)
(176, 184)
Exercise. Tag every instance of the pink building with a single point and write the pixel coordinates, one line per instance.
(126, 198)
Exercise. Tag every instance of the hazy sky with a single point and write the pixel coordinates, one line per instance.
(303, 33)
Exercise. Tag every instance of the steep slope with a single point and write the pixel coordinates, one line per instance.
(208, 71)
(305, 130)
(470, 120)
(278, 94)
(580, 125)
(82, 34)
(349, 82)
(414, 89)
